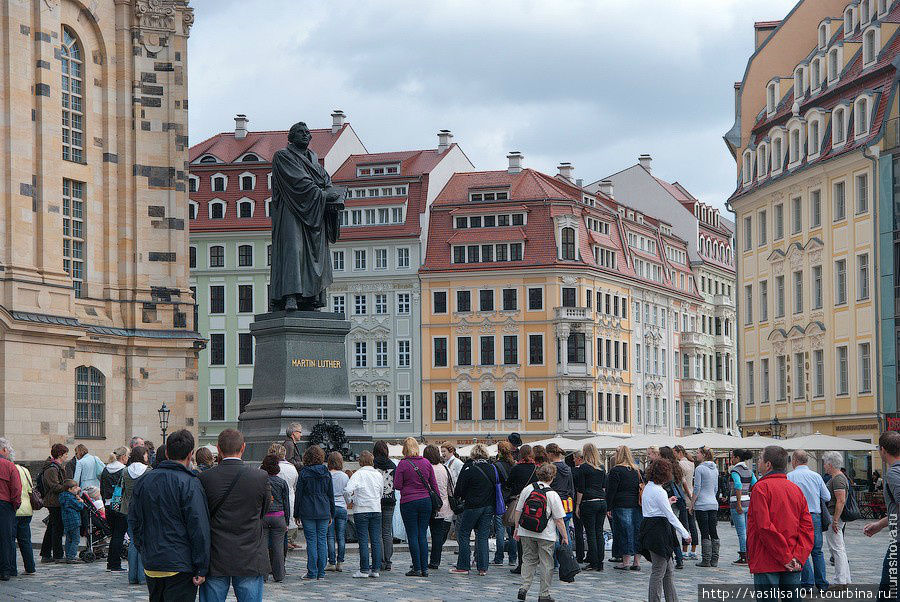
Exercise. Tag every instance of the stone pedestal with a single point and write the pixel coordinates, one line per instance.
(300, 375)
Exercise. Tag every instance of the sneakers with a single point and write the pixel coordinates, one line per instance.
(374, 575)
(413, 573)
(331, 568)
(338, 568)
(360, 575)
(482, 573)
(456, 571)
(74, 561)
(117, 570)
(434, 566)
(496, 562)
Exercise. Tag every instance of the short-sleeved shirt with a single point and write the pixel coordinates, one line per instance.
(892, 489)
(836, 483)
(339, 480)
(554, 510)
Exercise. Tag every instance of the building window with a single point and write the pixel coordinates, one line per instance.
(381, 305)
(245, 255)
(464, 405)
(269, 256)
(487, 351)
(748, 307)
(750, 383)
(799, 376)
(245, 396)
(246, 183)
(381, 259)
(245, 209)
(862, 193)
(337, 261)
(510, 350)
(72, 60)
(817, 287)
(74, 234)
(748, 233)
(796, 215)
(217, 299)
(463, 301)
(833, 67)
(840, 282)
(782, 377)
(362, 406)
(439, 302)
(359, 259)
(815, 209)
(535, 299)
(798, 292)
(359, 305)
(764, 301)
(535, 349)
(843, 379)
(870, 47)
(510, 299)
(815, 138)
(577, 404)
(488, 405)
(192, 209)
(192, 257)
(440, 352)
(217, 256)
(217, 404)
(90, 403)
(779, 296)
(818, 373)
(761, 226)
(245, 348)
(217, 349)
(403, 304)
(440, 406)
(403, 354)
(245, 298)
(862, 276)
(381, 354)
(575, 348)
(862, 117)
(338, 304)
(839, 126)
(865, 368)
(779, 222)
(510, 405)
(381, 408)
(486, 300)
(771, 101)
(361, 354)
(404, 407)
(463, 351)
(402, 258)
(765, 380)
(568, 243)
(848, 21)
(840, 201)
(569, 297)
(795, 146)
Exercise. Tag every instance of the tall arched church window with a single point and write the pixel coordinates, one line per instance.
(72, 60)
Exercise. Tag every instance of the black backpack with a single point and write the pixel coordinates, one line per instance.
(851, 507)
(534, 513)
(39, 483)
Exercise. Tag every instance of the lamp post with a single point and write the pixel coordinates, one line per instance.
(777, 428)
(163, 421)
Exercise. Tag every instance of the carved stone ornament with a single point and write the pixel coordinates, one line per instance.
(155, 15)
(778, 267)
(796, 260)
(779, 347)
(815, 342)
(569, 280)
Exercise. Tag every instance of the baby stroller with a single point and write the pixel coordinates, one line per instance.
(95, 528)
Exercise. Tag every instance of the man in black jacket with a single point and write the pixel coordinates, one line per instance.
(564, 485)
(169, 520)
(238, 497)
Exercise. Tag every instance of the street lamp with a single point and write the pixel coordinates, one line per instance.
(163, 421)
(777, 428)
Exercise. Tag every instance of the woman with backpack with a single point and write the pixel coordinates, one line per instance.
(477, 487)
(386, 467)
(539, 517)
(440, 523)
(623, 491)
(521, 475)
(110, 482)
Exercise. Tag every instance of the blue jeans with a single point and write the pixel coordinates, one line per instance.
(337, 531)
(73, 539)
(246, 589)
(7, 539)
(316, 532)
(368, 532)
(500, 539)
(740, 525)
(788, 581)
(23, 536)
(135, 562)
(628, 522)
(478, 519)
(416, 515)
(890, 579)
(813, 572)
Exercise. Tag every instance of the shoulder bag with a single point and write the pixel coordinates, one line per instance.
(851, 507)
(115, 502)
(510, 513)
(456, 504)
(215, 509)
(436, 502)
(499, 504)
(34, 496)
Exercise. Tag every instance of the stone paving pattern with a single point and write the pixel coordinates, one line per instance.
(86, 582)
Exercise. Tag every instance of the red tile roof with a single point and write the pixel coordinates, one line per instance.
(228, 149)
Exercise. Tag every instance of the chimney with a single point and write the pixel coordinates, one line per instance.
(240, 126)
(606, 188)
(445, 138)
(337, 121)
(645, 160)
(515, 161)
(566, 170)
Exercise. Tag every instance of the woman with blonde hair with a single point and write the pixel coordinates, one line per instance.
(622, 498)
(414, 479)
(288, 472)
(590, 504)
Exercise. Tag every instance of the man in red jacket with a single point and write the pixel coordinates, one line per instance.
(779, 527)
(10, 498)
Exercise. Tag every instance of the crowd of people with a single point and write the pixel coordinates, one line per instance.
(196, 522)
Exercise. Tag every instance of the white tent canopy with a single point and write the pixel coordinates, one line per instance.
(467, 449)
(820, 442)
(759, 442)
(564, 443)
(649, 440)
(604, 442)
(395, 451)
(712, 441)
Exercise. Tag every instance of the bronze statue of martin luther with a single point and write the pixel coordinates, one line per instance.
(305, 214)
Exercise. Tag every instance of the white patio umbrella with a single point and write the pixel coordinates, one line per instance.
(712, 441)
(564, 443)
(759, 442)
(649, 440)
(395, 451)
(467, 449)
(604, 442)
(820, 442)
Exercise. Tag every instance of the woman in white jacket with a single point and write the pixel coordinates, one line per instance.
(657, 538)
(363, 495)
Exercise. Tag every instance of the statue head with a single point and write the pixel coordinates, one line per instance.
(299, 135)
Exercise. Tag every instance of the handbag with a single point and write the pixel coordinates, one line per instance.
(509, 515)
(34, 496)
(824, 518)
(851, 508)
(115, 502)
(456, 504)
(499, 504)
(568, 565)
(436, 502)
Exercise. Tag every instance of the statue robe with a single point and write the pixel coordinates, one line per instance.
(302, 226)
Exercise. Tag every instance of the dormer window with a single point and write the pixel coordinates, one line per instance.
(870, 46)
(771, 97)
(567, 244)
(249, 158)
(219, 183)
(833, 64)
(248, 181)
(208, 159)
(814, 131)
(217, 209)
(748, 166)
(865, 14)
(815, 74)
(861, 110)
(795, 148)
(269, 209)
(193, 183)
(849, 25)
(839, 126)
(192, 210)
(823, 35)
(799, 82)
(481, 196)
(762, 161)
(387, 169)
(777, 153)
(245, 208)
(882, 7)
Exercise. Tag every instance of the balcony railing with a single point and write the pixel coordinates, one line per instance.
(723, 300)
(574, 314)
(691, 386)
(695, 339)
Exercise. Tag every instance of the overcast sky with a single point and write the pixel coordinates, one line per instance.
(593, 82)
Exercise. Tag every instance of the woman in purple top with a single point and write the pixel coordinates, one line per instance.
(415, 503)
